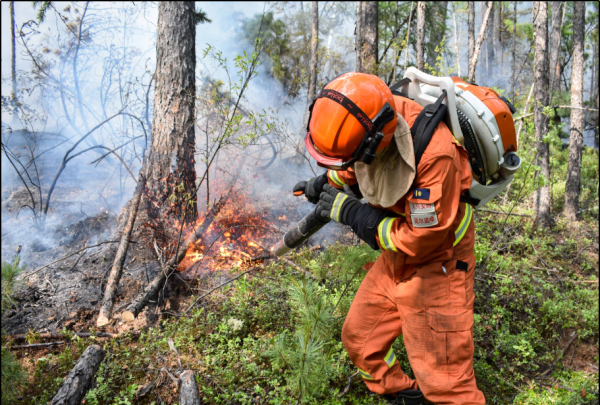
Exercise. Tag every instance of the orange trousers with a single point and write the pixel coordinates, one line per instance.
(432, 306)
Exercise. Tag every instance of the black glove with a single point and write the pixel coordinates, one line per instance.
(347, 210)
(311, 188)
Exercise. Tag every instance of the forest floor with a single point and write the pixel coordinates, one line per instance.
(255, 340)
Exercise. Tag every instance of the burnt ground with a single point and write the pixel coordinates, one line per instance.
(67, 294)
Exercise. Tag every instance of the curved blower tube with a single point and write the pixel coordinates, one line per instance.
(303, 230)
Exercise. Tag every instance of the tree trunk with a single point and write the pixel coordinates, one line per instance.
(555, 34)
(456, 39)
(188, 394)
(171, 169)
(408, 36)
(13, 69)
(358, 29)
(514, 53)
(577, 114)
(370, 36)
(312, 79)
(438, 11)
(484, 23)
(80, 379)
(541, 83)
(471, 33)
(490, 45)
(420, 35)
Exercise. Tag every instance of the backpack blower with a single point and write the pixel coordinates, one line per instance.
(480, 120)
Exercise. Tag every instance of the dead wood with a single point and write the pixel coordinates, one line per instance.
(36, 345)
(574, 336)
(54, 335)
(188, 393)
(114, 277)
(80, 379)
(139, 302)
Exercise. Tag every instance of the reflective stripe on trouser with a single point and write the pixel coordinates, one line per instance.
(434, 312)
(390, 359)
(333, 176)
(384, 229)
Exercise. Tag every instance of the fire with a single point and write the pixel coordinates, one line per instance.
(224, 252)
(237, 234)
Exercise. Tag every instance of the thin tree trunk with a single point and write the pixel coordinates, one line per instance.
(555, 37)
(514, 54)
(312, 80)
(577, 115)
(114, 277)
(499, 47)
(371, 37)
(13, 69)
(80, 379)
(541, 82)
(408, 36)
(397, 53)
(438, 12)
(484, 23)
(420, 35)
(471, 32)
(75, 74)
(456, 39)
(359, 44)
(171, 166)
(490, 45)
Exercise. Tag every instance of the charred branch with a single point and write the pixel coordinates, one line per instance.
(117, 268)
(80, 379)
(188, 394)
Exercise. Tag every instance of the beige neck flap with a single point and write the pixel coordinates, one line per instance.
(390, 176)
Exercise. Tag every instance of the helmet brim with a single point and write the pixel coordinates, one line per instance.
(322, 160)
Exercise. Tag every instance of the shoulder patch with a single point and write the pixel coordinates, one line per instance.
(421, 193)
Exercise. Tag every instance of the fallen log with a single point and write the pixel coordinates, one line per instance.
(80, 379)
(188, 393)
(116, 271)
(139, 302)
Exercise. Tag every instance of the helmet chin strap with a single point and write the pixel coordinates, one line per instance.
(373, 136)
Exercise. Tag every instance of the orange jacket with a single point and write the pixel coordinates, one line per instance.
(433, 224)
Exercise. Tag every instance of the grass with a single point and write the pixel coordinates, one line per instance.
(275, 337)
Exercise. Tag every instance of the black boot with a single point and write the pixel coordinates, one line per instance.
(405, 397)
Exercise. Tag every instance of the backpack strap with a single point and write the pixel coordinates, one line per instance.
(425, 124)
(394, 88)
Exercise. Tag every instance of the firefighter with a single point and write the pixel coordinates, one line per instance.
(421, 286)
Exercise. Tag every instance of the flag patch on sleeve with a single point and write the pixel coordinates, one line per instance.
(421, 193)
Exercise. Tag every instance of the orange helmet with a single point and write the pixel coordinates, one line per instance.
(351, 119)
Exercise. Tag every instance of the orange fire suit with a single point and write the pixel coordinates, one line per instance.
(422, 284)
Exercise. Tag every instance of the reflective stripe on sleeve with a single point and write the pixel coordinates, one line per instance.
(464, 225)
(333, 176)
(384, 230)
(337, 206)
(365, 375)
(390, 358)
